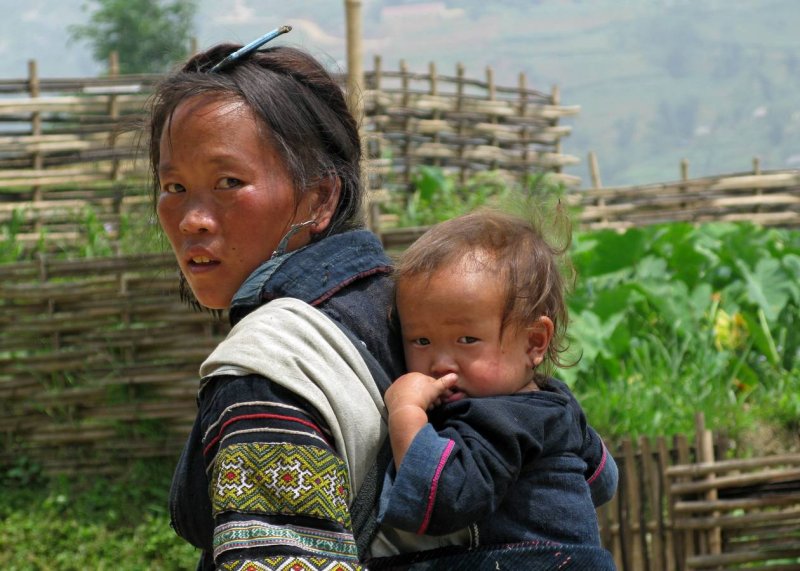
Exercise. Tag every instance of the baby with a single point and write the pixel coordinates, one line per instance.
(481, 437)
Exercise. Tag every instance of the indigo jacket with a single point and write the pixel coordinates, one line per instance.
(518, 468)
(259, 483)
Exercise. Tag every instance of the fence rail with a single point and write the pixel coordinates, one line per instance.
(767, 198)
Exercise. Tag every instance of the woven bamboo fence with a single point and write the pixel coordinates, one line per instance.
(98, 361)
(689, 505)
(767, 198)
(685, 505)
(72, 146)
(737, 513)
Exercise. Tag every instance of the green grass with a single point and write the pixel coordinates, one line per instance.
(89, 522)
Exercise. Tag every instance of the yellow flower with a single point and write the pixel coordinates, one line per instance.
(730, 331)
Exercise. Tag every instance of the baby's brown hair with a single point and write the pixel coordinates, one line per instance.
(533, 270)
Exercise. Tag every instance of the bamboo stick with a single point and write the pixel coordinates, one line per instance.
(654, 493)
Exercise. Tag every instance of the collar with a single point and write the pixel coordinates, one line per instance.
(312, 273)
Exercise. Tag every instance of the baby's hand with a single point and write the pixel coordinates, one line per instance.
(418, 390)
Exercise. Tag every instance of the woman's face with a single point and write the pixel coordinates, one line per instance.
(226, 197)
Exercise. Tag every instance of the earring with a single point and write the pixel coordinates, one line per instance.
(293, 229)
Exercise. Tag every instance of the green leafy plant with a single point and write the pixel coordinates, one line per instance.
(10, 248)
(437, 195)
(675, 319)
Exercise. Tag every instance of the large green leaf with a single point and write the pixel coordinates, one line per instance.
(610, 252)
(430, 181)
(767, 286)
(592, 334)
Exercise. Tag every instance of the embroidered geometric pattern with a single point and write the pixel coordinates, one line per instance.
(248, 534)
(280, 478)
(228, 435)
(290, 564)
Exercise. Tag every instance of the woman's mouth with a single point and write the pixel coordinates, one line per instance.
(202, 263)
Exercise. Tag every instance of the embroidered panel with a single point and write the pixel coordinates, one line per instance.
(290, 564)
(249, 534)
(280, 478)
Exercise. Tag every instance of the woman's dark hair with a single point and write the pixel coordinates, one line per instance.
(300, 106)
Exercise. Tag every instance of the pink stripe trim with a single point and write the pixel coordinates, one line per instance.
(435, 486)
(600, 467)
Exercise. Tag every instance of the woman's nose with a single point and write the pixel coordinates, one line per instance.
(197, 218)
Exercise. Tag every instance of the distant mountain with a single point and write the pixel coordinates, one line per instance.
(712, 81)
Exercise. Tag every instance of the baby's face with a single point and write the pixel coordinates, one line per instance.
(452, 324)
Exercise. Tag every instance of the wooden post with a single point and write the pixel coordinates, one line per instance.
(113, 64)
(193, 46)
(376, 74)
(355, 80)
(437, 114)
(525, 133)
(491, 90)
(405, 84)
(684, 170)
(36, 129)
(434, 88)
(113, 113)
(405, 98)
(631, 481)
(375, 150)
(459, 86)
(594, 170)
(556, 98)
(685, 544)
(491, 94)
(44, 276)
(757, 171)
(653, 495)
(712, 542)
(667, 516)
(462, 172)
(355, 59)
(523, 94)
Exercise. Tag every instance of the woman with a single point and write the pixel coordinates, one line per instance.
(256, 163)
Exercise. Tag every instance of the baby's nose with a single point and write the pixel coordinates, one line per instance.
(443, 364)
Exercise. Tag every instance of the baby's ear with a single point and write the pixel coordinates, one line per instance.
(540, 333)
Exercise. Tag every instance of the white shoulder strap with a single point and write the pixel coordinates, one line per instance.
(300, 348)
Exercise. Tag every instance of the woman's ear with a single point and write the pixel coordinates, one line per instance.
(540, 333)
(324, 202)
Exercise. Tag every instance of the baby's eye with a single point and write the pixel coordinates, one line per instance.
(228, 182)
(467, 340)
(421, 341)
(172, 188)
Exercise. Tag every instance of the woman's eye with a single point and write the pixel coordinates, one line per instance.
(467, 340)
(172, 188)
(422, 341)
(229, 182)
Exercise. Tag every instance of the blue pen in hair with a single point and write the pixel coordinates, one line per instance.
(251, 47)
